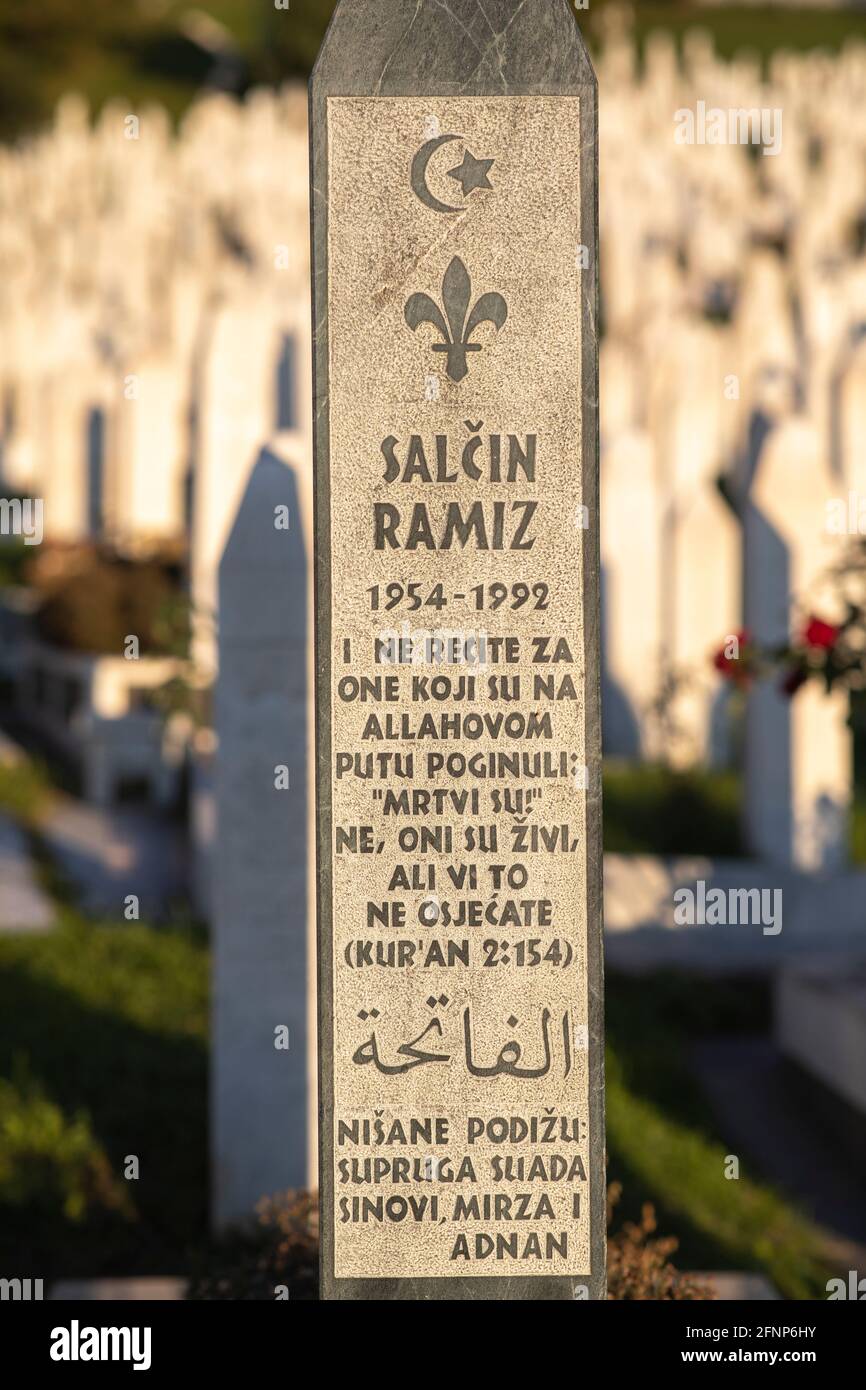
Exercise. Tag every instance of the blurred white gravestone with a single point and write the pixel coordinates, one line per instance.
(19, 400)
(238, 413)
(618, 381)
(699, 542)
(820, 1022)
(706, 598)
(69, 455)
(630, 594)
(763, 325)
(263, 1059)
(149, 453)
(850, 473)
(798, 750)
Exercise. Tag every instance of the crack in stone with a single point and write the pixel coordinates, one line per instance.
(443, 5)
(399, 288)
(398, 46)
(486, 18)
(496, 44)
(512, 19)
(497, 41)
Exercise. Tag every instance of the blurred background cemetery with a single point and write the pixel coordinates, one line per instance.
(156, 881)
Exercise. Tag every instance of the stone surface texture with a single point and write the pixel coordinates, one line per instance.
(506, 81)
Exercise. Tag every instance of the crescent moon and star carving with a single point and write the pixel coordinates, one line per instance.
(471, 174)
(456, 321)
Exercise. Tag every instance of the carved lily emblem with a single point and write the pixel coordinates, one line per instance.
(457, 332)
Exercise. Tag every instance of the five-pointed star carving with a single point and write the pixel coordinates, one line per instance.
(472, 173)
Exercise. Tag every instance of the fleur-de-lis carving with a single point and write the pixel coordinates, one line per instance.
(458, 330)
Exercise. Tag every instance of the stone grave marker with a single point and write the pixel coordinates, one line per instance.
(262, 1091)
(150, 452)
(798, 752)
(457, 653)
(632, 629)
(238, 413)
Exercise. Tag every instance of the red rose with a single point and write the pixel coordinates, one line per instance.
(820, 635)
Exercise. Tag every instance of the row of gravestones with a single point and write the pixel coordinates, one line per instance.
(125, 249)
(658, 360)
(228, 373)
(697, 560)
(156, 321)
(163, 396)
(690, 567)
(734, 292)
(149, 456)
(676, 558)
(142, 452)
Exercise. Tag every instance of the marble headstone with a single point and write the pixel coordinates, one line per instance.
(263, 1056)
(458, 754)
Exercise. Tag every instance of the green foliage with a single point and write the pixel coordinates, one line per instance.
(51, 1162)
(25, 788)
(141, 52)
(762, 29)
(858, 829)
(651, 809)
(110, 1025)
(14, 555)
(48, 48)
(292, 38)
(654, 810)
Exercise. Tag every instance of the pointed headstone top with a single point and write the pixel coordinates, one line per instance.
(465, 47)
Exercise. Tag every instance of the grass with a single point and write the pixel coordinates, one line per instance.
(25, 788)
(665, 1147)
(103, 1057)
(103, 1051)
(103, 1044)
